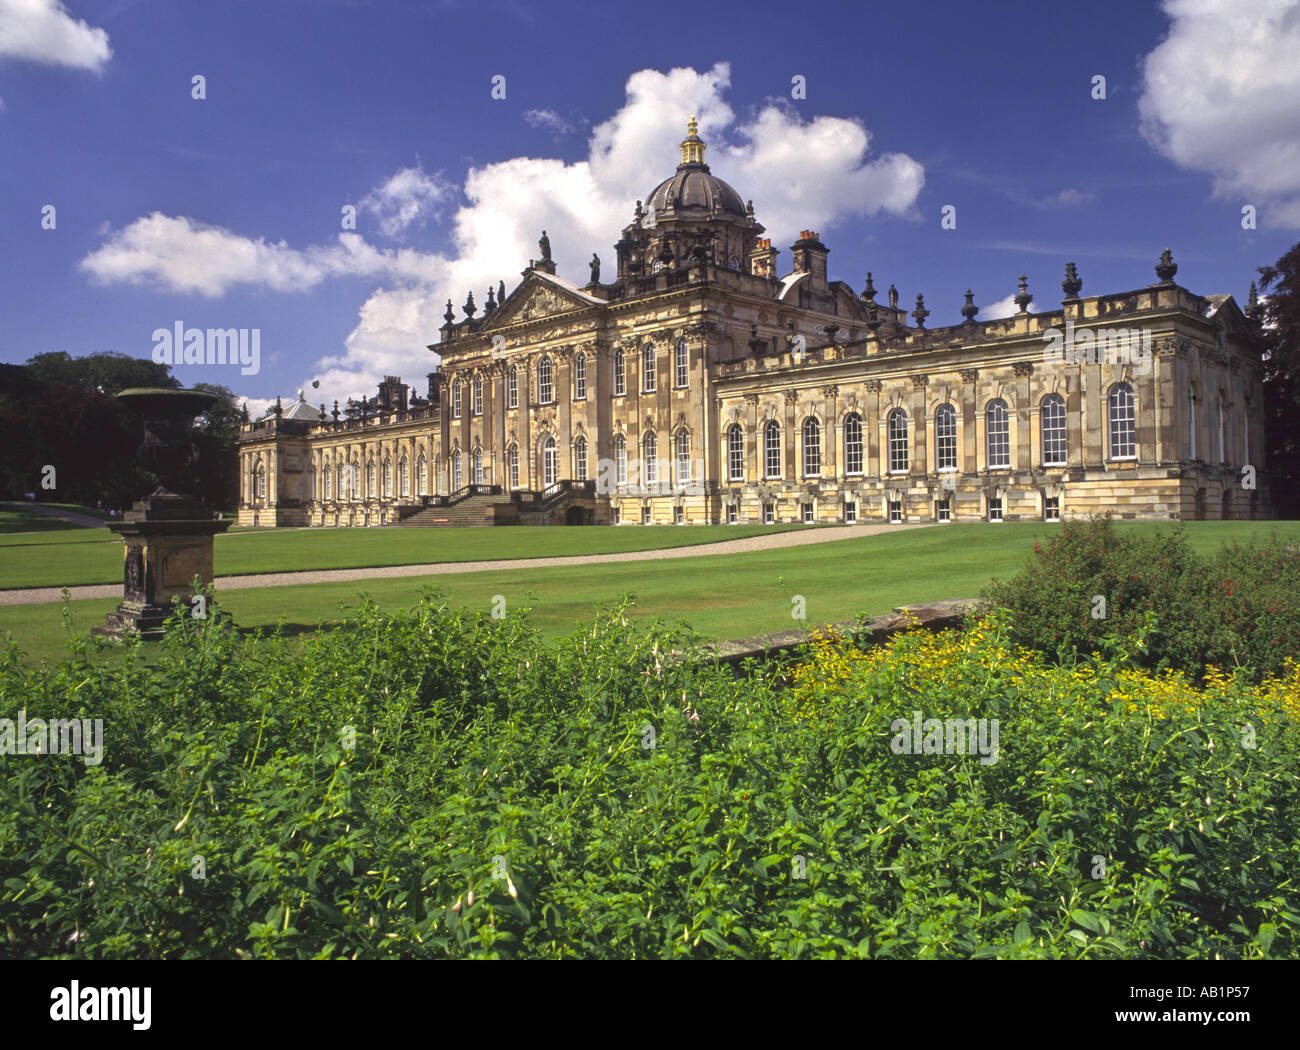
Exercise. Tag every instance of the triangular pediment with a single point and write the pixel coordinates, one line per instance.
(537, 297)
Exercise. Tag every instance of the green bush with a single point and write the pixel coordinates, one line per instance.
(1238, 609)
(500, 798)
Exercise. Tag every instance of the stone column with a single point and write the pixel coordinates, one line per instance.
(918, 458)
(791, 442)
(1024, 460)
(969, 427)
(831, 437)
(872, 432)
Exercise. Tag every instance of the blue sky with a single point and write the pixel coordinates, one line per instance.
(226, 211)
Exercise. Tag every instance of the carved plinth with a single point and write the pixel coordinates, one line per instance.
(167, 536)
(167, 541)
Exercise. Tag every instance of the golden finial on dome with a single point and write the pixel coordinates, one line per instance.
(693, 147)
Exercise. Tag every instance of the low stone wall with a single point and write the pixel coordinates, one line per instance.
(932, 615)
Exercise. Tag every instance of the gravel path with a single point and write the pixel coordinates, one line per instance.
(37, 595)
(86, 521)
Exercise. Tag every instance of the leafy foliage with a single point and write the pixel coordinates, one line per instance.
(500, 799)
(1240, 607)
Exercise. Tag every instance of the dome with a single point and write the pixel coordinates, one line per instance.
(693, 187)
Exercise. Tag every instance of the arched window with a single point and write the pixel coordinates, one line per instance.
(455, 399)
(580, 459)
(681, 364)
(476, 465)
(388, 479)
(329, 481)
(945, 437)
(853, 443)
(370, 480)
(812, 448)
(650, 459)
(1191, 424)
(403, 478)
(512, 462)
(548, 462)
(997, 433)
(896, 433)
(620, 373)
(682, 458)
(772, 450)
(733, 263)
(620, 460)
(512, 387)
(735, 453)
(648, 368)
(580, 377)
(1051, 416)
(455, 471)
(339, 487)
(1123, 422)
(545, 388)
(261, 481)
(421, 476)
(476, 406)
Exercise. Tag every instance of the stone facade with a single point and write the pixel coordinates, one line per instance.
(700, 387)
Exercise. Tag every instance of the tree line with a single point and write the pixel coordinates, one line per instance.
(61, 411)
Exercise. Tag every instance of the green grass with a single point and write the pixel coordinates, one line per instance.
(723, 596)
(96, 557)
(16, 518)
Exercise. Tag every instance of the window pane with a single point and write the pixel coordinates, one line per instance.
(945, 437)
(897, 432)
(998, 434)
(1052, 416)
(1122, 422)
(853, 445)
(772, 451)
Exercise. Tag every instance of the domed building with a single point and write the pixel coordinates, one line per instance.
(700, 384)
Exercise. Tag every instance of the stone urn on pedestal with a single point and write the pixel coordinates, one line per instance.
(167, 536)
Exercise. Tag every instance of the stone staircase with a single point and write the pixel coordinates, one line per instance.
(472, 510)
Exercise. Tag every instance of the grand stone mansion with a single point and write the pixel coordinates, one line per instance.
(703, 385)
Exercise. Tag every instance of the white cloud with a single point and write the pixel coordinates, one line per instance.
(799, 173)
(44, 31)
(1004, 308)
(1068, 198)
(257, 406)
(183, 255)
(1221, 94)
(550, 120)
(409, 197)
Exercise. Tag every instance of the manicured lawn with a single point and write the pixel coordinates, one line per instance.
(722, 596)
(95, 557)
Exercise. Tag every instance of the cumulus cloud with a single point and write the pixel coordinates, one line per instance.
(550, 120)
(799, 173)
(182, 255)
(1004, 308)
(1221, 94)
(409, 198)
(44, 31)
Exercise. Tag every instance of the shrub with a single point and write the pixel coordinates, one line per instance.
(1241, 608)
(617, 795)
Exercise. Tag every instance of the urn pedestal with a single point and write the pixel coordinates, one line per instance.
(167, 536)
(167, 542)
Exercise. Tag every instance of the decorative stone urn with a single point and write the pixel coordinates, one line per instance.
(167, 536)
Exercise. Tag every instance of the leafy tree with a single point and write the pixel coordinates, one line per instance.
(1280, 317)
(216, 432)
(109, 372)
